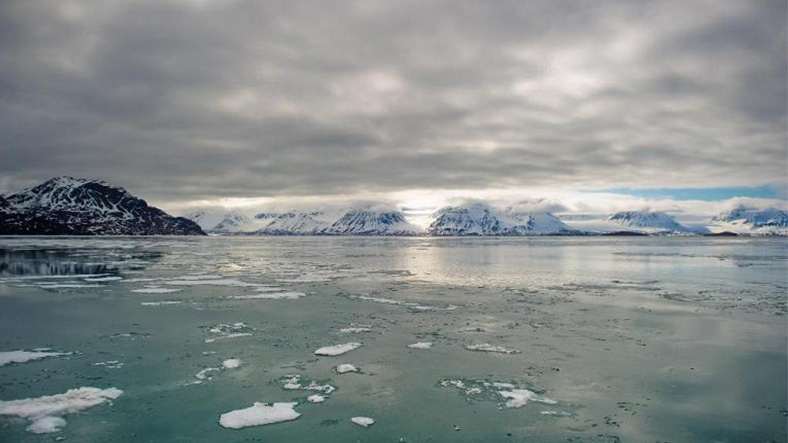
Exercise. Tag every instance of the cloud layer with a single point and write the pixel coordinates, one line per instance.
(201, 99)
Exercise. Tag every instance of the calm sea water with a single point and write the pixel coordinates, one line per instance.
(634, 339)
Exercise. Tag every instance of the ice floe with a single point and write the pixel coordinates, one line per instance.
(205, 374)
(315, 398)
(345, 368)
(520, 397)
(293, 382)
(103, 279)
(338, 349)
(45, 413)
(420, 345)
(363, 421)
(161, 303)
(259, 414)
(214, 282)
(486, 347)
(110, 364)
(270, 296)
(155, 290)
(9, 357)
(231, 363)
(225, 331)
(354, 330)
(416, 307)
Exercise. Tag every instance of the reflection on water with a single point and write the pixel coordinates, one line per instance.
(635, 339)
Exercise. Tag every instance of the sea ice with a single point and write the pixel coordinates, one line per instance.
(25, 356)
(45, 412)
(363, 421)
(100, 279)
(486, 347)
(520, 397)
(354, 330)
(161, 303)
(337, 349)
(259, 414)
(155, 290)
(231, 363)
(421, 345)
(345, 368)
(271, 296)
(315, 398)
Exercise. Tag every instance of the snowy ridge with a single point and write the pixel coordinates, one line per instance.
(371, 222)
(481, 219)
(70, 206)
(647, 221)
(746, 220)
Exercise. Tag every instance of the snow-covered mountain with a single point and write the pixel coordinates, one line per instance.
(225, 222)
(746, 220)
(296, 223)
(481, 219)
(648, 222)
(71, 206)
(371, 222)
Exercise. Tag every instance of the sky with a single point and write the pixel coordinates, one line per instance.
(589, 105)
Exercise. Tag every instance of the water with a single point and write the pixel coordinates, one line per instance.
(634, 339)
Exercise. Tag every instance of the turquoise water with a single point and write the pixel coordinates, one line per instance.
(634, 339)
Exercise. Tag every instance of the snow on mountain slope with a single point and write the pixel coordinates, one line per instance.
(226, 222)
(746, 220)
(368, 221)
(648, 222)
(297, 223)
(66, 205)
(481, 219)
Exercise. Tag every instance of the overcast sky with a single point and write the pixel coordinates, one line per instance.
(198, 100)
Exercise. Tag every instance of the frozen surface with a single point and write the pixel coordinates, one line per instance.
(259, 414)
(9, 357)
(363, 421)
(338, 349)
(636, 339)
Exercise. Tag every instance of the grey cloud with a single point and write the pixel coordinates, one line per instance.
(203, 99)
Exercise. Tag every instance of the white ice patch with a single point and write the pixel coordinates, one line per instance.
(224, 331)
(410, 305)
(45, 412)
(486, 347)
(292, 382)
(25, 356)
(46, 425)
(520, 397)
(67, 286)
(101, 279)
(363, 421)
(217, 282)
(345, 368)
(354, 330)
(338, 349)
(259, 414)
(271, 296)
(205, 373)
(110, 364)
(231, 363)
(421, 345)
(315, 398)
(155, 290)
(161, 303)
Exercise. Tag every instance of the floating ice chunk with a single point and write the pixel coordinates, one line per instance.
(345, 368)
(204, 374)
(25, 356)
(259, 414)
(520, 397)
(231, 363)
(292, 382)
(161, 303)
(354, 330)
(363, 421)
(45, 412)
(486, 347)
(500, 385)
(67, 286)
(217, 282)
(421, 345)
(200, 277)
(337, 349)
(110, 364)
(46, 425)
(556, 413)
(459, 384)
(155, 290)
(316, 398)
(140, 280)
(271, 296)
(100, 279)
(473, 391)
(326, 388)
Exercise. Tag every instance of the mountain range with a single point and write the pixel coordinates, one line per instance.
(70, 206)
